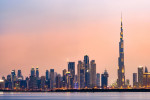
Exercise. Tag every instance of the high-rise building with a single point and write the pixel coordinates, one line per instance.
(146, 70)
(92, 74)
(127, 82)
(121, 70)
(9, 78)
(64, 72)
(52, 78)
(64, 80)
(82, 78)
(71, 69)
(140, 76)
(98, 80)
(2, 84)
(80, 74)
(55, 75)
(37, 73)
(47, 79)
(22, 84)
(58, 81)
(13, 74)
(19, 73)
(43, 79)
(20, 77)
(87, 71)
(134, 79)
(70, 83)
(13, 78)
(104, 79)
(68, 76)
(87, 78)
(32, 72)
(146, 80)
(3, 78)
(33, 80)
(76, 86)
(86, 62)
(27, 81)
(47, 74)
(9, 82)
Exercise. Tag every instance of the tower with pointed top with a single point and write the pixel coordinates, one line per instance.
(121, 69)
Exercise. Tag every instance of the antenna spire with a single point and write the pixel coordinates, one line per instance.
(121, 16)
(121, 19)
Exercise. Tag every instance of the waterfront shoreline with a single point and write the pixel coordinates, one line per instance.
(82, 90)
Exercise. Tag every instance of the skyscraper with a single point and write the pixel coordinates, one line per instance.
(92, 73)
(58, 81)
(37, 73)
(32, 72)
(80, 74)
(87, 72)
(134, 79)
(47, 79)
(52, 78)
(76, 86)
(98, 80)
(86, 62)
(20, 77)
(47, 74)
(33, 80)
(13, 74)
(71, 69)
(146, 70)
(69, 80)
(104, 79)
(146, 80)
(9, 84)
(64, 80)
(43, 82)
(55, 74)
(140, 76)
(19, 73)
(121, 70)
(64, 72)
(87, 79)
(127, 82)
(13, 77)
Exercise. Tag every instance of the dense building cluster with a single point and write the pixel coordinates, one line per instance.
(142, 79)
(86, 78)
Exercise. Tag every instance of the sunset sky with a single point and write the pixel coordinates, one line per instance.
(49, 33)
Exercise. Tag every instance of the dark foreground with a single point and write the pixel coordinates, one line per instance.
(82, 90)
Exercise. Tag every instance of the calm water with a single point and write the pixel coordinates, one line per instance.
(75, 96)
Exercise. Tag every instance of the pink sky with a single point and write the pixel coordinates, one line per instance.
(48, 34)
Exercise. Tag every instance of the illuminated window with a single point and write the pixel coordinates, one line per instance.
(120, 36)
(122, 79)
(121, 45)
(121, 59)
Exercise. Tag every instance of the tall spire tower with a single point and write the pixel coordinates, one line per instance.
(121, 70)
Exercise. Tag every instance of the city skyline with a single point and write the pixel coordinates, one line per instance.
(86, 28)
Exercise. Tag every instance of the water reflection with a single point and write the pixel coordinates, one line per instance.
(74, 96)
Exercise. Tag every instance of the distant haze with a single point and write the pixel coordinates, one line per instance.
(49, 33)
